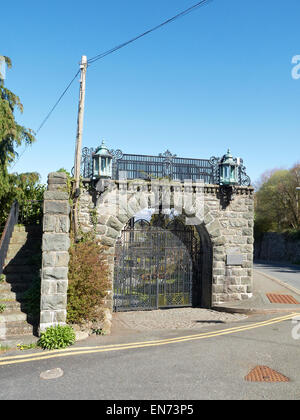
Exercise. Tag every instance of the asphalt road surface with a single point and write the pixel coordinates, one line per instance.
(211, 364)
(289, 274)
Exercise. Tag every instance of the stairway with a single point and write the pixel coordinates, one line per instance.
(21, 269)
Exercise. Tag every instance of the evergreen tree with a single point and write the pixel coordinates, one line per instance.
(13, 135)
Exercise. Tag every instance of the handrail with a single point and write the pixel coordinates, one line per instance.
(7, 233)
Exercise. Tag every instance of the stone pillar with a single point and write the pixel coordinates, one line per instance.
(56, 242)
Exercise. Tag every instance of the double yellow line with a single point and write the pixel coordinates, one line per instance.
(116, 347)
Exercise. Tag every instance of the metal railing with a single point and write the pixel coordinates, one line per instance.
(7, 232)
(165, 165)
(148, 166)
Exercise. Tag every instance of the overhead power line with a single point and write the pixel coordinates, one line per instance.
(124, 44)
(112, 50)
(57, 102)
(46, 118)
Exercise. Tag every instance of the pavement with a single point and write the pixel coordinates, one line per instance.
(263, 283)
(286, 273)
(154, 324)
(203, 354)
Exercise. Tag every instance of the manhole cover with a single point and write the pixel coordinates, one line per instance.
(265, 374)
(52, 374)
(276, 298)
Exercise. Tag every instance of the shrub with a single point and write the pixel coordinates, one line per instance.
(57, 337)
(88, 280)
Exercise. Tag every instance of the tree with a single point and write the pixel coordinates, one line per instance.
(276, 201)
(12, 135)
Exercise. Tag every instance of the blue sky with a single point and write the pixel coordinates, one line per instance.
(217, 78)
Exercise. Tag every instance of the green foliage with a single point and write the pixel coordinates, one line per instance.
(94, 218)
(88, 280)
(277, 203)
(26, 189)
(98, 331)
(2, 307)
(13, 187)
(57, 337)
(26, 346)
(69, 180)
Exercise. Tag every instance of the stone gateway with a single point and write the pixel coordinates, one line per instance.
(223, 227)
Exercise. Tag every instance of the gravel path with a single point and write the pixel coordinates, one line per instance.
(173, 319)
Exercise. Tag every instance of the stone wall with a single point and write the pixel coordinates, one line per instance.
(277, 247)
(230, 229)
(55, 246)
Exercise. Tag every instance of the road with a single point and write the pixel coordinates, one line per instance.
(208, 365)
(289, 274)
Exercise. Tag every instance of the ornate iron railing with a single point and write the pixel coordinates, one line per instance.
(7, 232)
(165, 165)
(153, 268)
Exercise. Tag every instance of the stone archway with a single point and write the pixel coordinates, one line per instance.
(113, 225)
(226, 233)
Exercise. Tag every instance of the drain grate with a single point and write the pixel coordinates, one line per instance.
(265, 374)
(287, 299)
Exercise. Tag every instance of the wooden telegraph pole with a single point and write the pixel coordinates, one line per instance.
(76, 190)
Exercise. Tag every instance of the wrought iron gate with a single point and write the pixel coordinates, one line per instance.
(153, 268)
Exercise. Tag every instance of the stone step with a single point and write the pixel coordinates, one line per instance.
(30, 247)
(13, 341)
(9, 296)
(21, 268)
(28, 232)
(14, 287)
(15, 323)
(16, 269)
(17, 259)
(14, 328)
(29, 243)
(12, 306)
(27, 228)
(33, 230)
(21, 259)
(12, 317)
(12, 278)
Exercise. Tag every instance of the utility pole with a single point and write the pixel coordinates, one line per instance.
(76, 191)
(83, 67)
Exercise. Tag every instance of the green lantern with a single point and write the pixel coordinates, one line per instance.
(228, 170)
(102, 162)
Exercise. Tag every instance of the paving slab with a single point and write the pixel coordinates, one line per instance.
(171, 319)
(263, 284)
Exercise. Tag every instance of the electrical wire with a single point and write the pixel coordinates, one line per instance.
(47, 117)
(57, 102)
(124, 44)
(112, 50)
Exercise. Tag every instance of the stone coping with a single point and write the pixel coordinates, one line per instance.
(208, 188)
